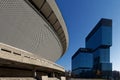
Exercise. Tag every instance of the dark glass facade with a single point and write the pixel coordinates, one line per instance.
(96, 54)
(82, 62)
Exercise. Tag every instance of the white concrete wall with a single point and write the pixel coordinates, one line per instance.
(9, 78)
(26, 57)
(44, 77)
(63, 78)
(53, 79)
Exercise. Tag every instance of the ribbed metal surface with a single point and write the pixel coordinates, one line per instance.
(22, 27)
(49, 10)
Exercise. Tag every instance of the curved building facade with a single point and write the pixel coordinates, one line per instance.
(35, 26)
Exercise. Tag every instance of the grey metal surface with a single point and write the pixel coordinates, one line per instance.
(22, 27)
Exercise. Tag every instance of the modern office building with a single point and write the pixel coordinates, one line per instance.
(82, 62)
(99, 41)
(35, 35)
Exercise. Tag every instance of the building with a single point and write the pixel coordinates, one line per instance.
(82, 62)
(99, 41)
(34, 30)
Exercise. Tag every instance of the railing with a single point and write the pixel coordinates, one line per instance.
(12, 53)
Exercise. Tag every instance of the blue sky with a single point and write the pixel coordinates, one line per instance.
(81, 16)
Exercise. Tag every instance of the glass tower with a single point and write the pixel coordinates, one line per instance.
(82, 63)
(99, 41)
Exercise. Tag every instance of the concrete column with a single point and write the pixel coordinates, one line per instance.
(53, 74)
(34, 73)
(63, 78)
(44, 77)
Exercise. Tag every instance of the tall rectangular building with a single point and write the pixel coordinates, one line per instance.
(99, 41)
(101, 35)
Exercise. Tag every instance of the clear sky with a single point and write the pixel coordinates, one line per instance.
(81, 16)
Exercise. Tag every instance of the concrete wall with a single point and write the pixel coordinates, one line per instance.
(9, 78)
(49, 78)
(15, 73)
(87, 79)
(13, 54)
(52, 78)
(20, 78)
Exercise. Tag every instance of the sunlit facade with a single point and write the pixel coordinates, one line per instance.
(36, 26)
(33, 35)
